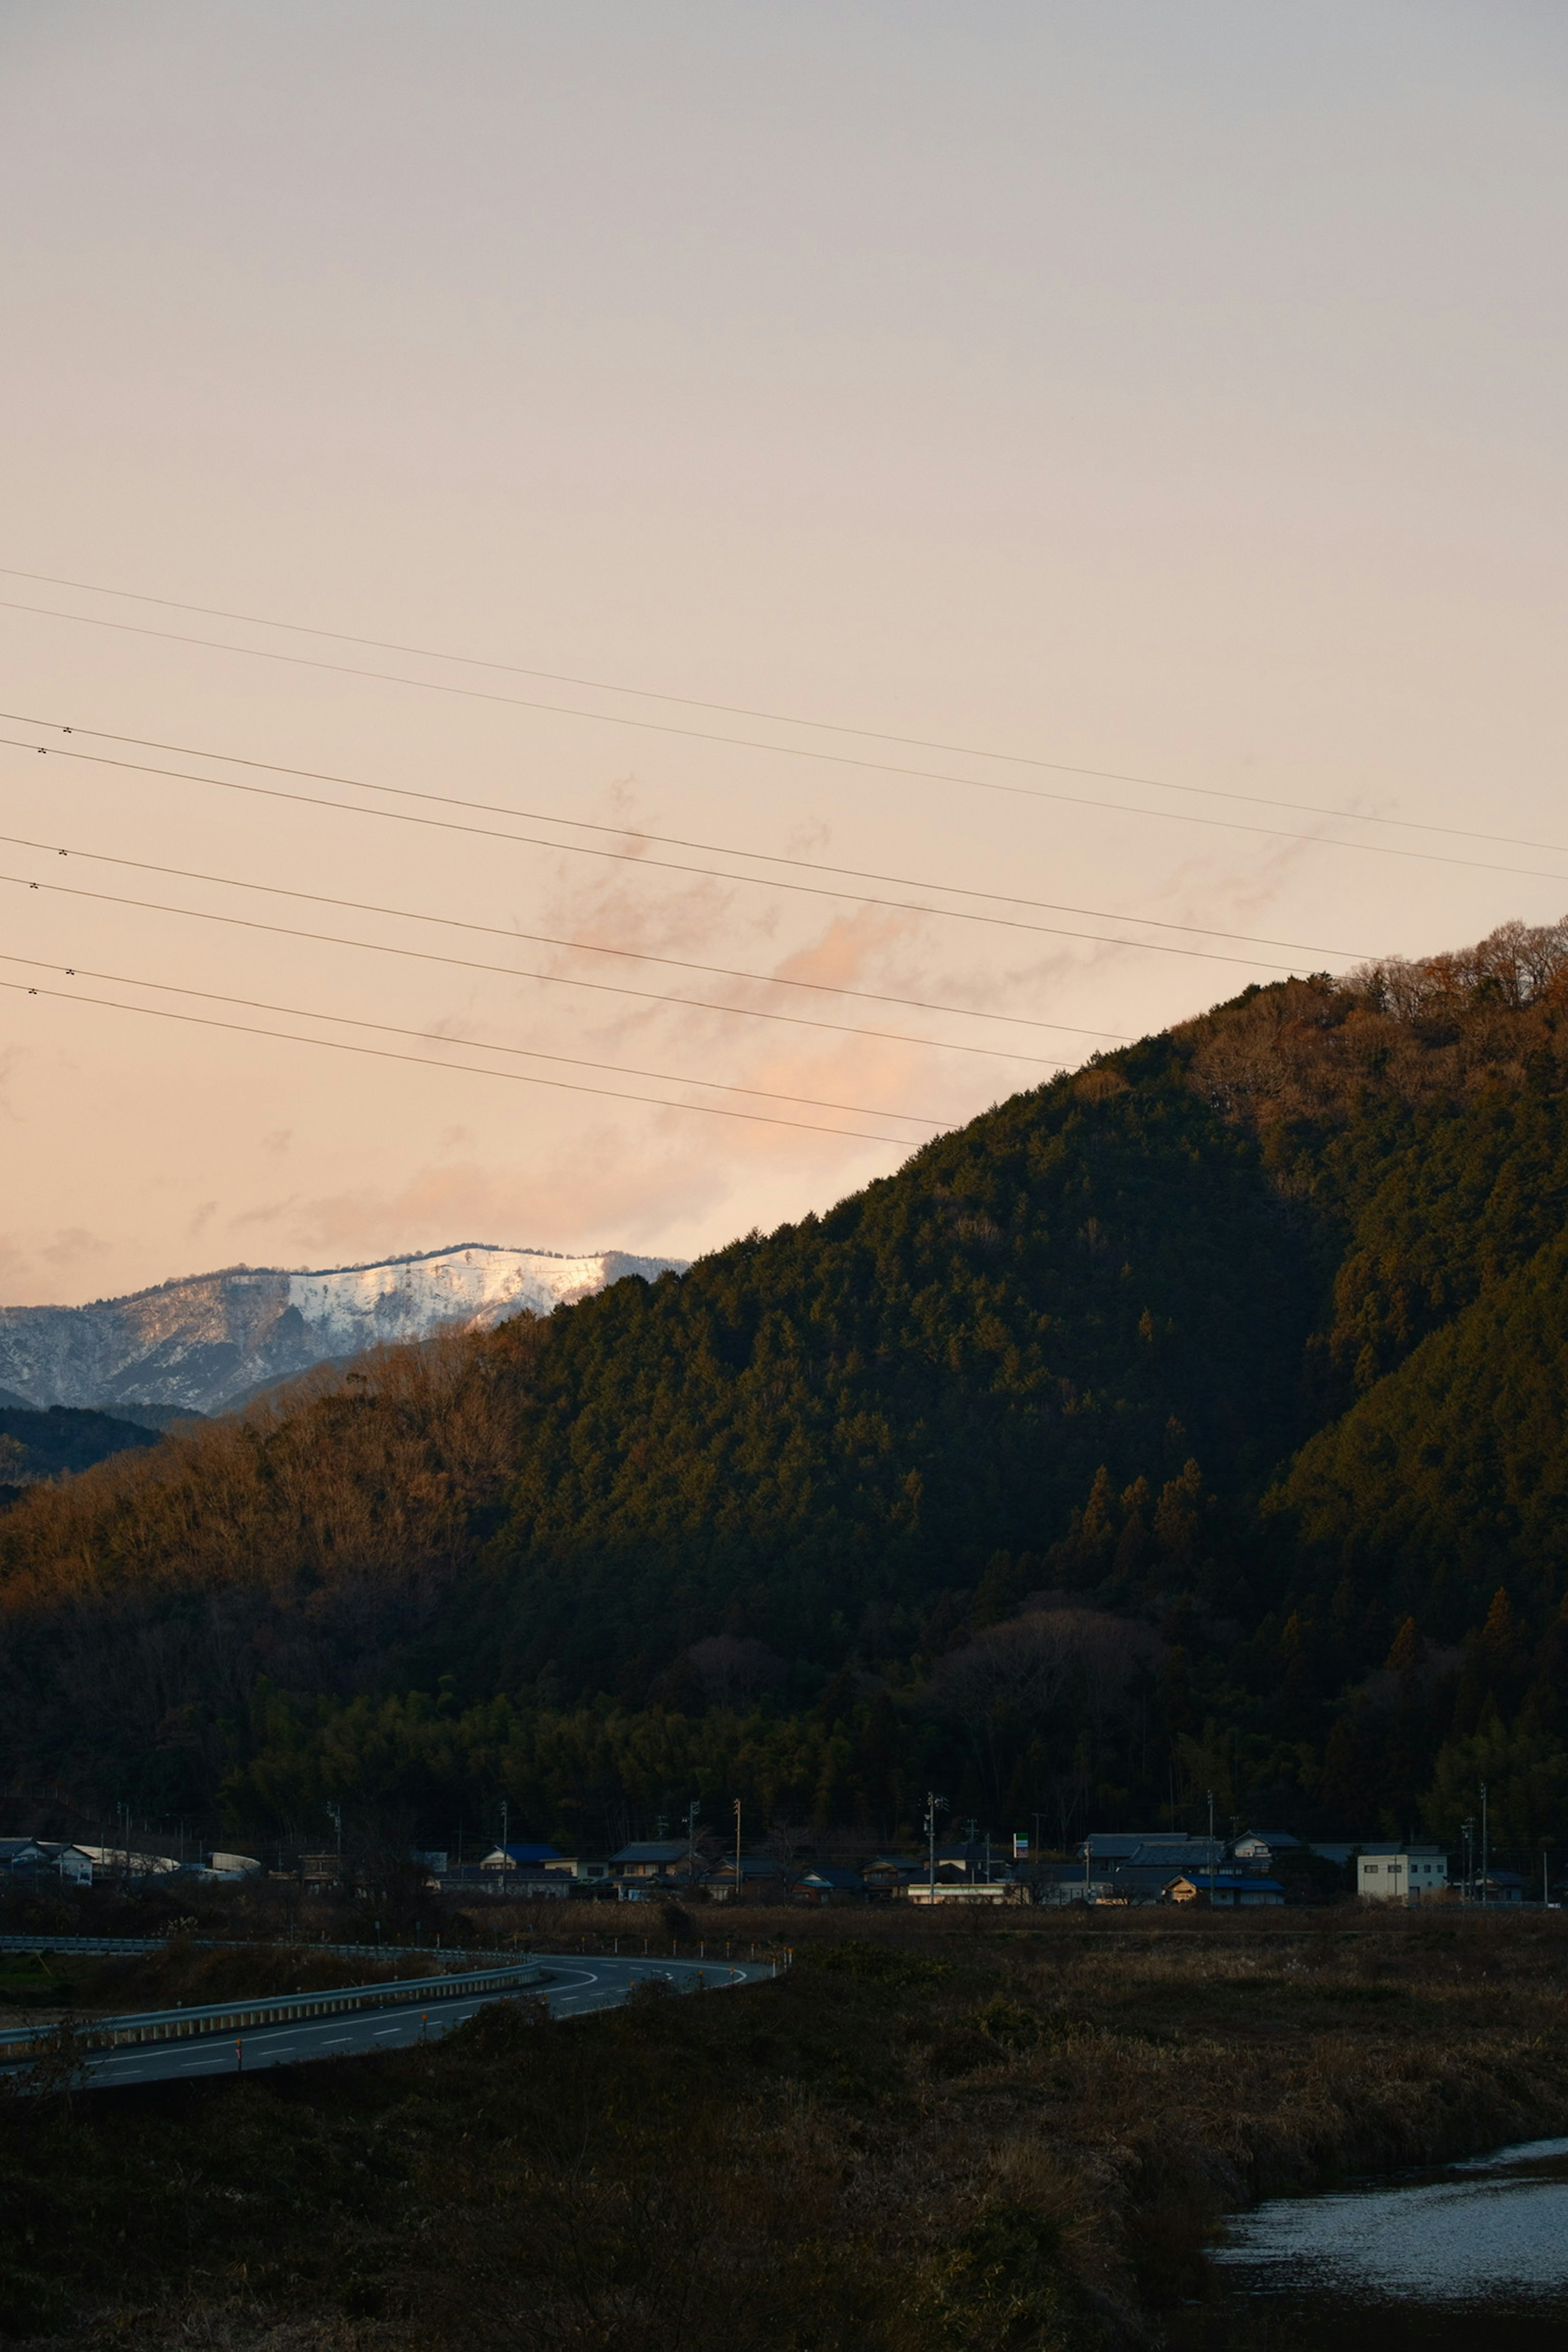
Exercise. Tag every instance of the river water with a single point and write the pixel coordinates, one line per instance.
(1475, 2255)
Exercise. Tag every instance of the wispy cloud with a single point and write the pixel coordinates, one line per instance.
(11, 1062)
(73, 1248)
(15, 1266)
(602, 1195)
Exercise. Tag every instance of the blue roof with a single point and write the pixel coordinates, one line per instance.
(1121, 1845)
(1231, 1880)
(525, 1854)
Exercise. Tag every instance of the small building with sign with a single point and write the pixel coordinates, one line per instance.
(1400, 1873)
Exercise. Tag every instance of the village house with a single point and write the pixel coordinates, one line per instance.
(1264, 1849)
(1497, 1886)
(1175, 1846)
(890, 1873)
(651, 1862)
(46, 1858)
(1140, 1882)
(1400, 1873)
(827, 1882)
(1226, 1890)
(760, 1880)
(522, 1857)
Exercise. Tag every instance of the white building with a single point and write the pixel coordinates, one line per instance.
(129, 1861)
(1400, 1873)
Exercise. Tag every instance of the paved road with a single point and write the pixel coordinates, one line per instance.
(575, 1987)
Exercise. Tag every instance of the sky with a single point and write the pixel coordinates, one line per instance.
(778, 482)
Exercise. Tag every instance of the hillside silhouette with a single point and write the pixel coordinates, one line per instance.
(1195, 1421)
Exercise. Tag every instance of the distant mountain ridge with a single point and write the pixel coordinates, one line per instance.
(206, 1342)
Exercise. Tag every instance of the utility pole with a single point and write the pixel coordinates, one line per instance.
(737, 1849)
(1211, 1846)
(691, 1813)
(933, 1801)
(1485, 1845)
(505, 1822)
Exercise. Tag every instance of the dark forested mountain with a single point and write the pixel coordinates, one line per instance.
(1195, 1421)
(36, 1446)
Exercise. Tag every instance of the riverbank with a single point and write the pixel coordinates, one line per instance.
(956, 2129)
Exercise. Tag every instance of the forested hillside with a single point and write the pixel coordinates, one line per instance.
(1195, 1421)
(36, 1446)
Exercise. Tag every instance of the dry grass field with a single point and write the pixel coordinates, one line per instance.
(965, 2130)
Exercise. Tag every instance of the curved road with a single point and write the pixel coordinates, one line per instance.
(572, 1988)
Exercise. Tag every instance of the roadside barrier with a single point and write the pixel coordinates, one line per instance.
(17, 2044)
(99, 1945)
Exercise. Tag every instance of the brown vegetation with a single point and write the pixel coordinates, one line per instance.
(1437, 1029)
(326, 1521)
(939, 2132)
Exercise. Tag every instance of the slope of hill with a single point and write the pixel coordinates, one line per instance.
(41, 1444)
(204, 1344)
(864, 1410)
(1450, 1477)
(1158, 1433)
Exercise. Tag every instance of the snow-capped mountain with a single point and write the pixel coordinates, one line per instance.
(204, 1344)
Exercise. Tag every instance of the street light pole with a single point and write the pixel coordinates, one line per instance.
(933, 1801)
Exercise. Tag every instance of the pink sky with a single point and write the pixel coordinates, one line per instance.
(1170, 393)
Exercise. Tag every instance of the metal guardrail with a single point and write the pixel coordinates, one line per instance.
(99, 1945)
(86, 1947)
(83, 1944)
(238, 2016)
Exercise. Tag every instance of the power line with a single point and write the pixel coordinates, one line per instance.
(832, 759)
(510, 972)
(745, 711)
(475, 1044)
(662, 864)
(423, 1061)
(621, 832)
